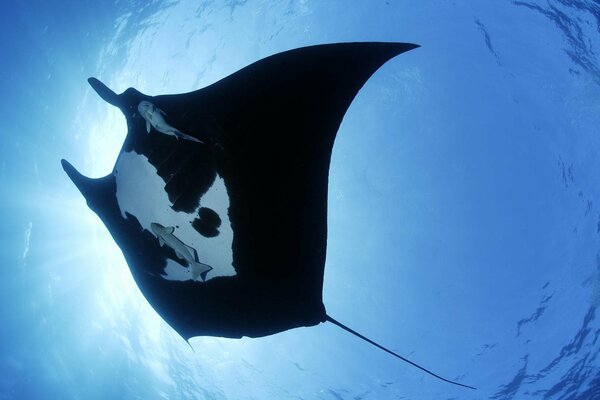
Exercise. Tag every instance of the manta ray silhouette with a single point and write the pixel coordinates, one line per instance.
(235, 175)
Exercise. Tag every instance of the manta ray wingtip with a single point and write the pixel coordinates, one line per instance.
(409, 46)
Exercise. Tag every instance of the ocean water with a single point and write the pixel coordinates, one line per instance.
(464, 204)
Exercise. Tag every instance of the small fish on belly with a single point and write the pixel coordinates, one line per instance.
(155, 118)
(183, 251)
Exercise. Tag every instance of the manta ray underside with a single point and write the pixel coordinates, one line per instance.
(233, 179)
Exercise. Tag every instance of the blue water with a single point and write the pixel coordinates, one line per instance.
(464, 219)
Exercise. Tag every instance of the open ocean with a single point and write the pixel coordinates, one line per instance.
(463, 214)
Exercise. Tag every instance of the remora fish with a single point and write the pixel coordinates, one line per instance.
(155, 118)
(183, 251)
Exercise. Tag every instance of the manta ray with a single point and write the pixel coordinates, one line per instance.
(242, 200)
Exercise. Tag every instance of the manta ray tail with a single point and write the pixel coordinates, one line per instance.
(344, 327)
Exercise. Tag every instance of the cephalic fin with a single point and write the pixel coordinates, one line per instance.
(104, 92)
(90, 188)
(148, 126)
